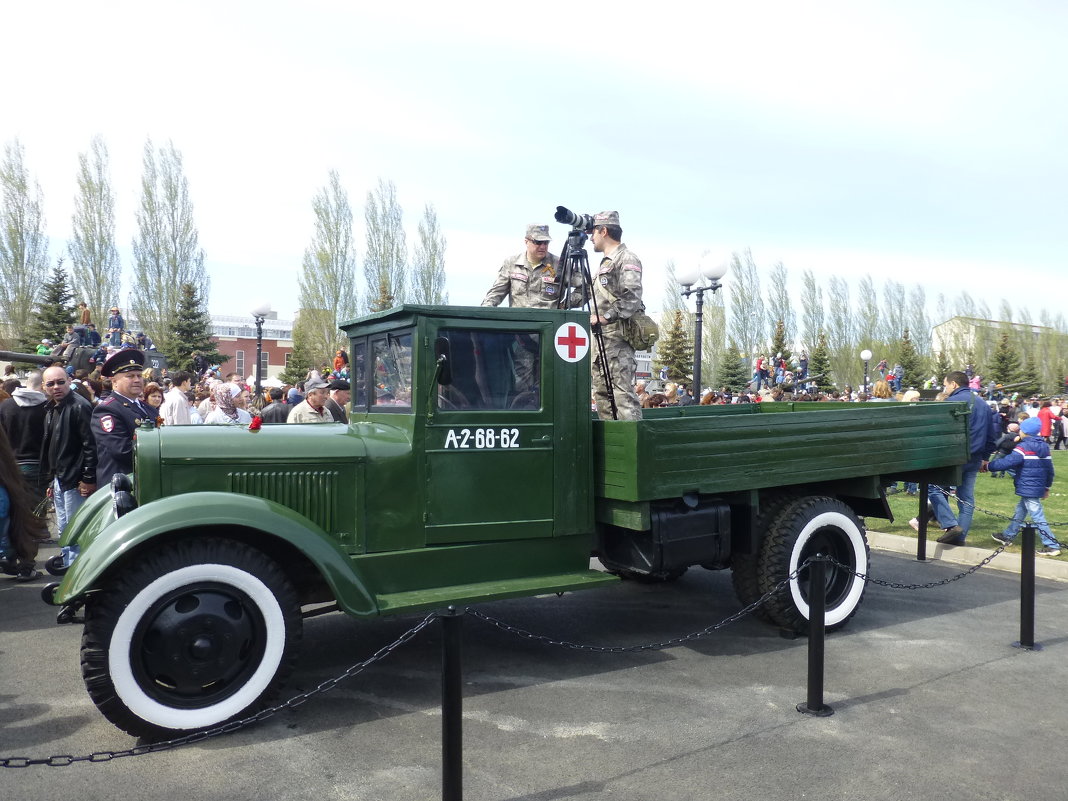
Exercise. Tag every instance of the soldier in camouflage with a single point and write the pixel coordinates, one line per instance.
(532, 278)
(617, 289)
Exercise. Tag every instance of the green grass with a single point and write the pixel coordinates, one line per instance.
(993, 494)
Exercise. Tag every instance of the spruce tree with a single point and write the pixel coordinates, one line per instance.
(942, 367)
(911, 361)
(819, 364)
(302, 358)
(732, 371)
(1029, 376)
(54, 312)
(675, 351)
(1005, 362)
(780, 348)
(192, 332)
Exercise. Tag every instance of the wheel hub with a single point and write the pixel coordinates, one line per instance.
(197, 645)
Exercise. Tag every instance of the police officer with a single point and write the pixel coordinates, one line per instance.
(617, 289)
(117, 417)
(532, 278)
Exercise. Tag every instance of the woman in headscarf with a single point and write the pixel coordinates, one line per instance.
(226, 412)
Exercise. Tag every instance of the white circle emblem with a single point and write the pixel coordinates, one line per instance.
(572, 342)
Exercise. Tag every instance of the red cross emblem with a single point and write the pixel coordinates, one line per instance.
(572, 342)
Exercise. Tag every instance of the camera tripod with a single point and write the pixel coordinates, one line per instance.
(575, 261)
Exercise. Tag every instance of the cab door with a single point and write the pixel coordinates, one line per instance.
(490, 468)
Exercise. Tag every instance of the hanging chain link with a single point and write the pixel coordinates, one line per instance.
(656, 646)
(62, 760)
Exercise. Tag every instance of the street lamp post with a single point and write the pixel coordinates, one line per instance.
(693, 281)
(866, 356)
(260, 311)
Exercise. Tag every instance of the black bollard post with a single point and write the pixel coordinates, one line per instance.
(452, 705)
(921, 538)
(817, 615)
(1027, 591)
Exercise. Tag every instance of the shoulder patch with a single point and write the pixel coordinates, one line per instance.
(636, 267)
(605, 269)
(107, 422)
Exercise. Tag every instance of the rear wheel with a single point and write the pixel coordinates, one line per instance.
(802, 529)
(745, 567)
(190, 636)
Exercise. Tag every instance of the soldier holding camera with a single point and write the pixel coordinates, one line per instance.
(532, 278)
(617, 288)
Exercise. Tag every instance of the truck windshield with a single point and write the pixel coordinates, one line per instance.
(392, 372)
(492, 370)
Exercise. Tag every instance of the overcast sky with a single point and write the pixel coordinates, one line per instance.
(919, 141)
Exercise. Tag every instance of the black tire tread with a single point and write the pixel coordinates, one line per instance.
(775, 561)
(103, 609)
(745, 567)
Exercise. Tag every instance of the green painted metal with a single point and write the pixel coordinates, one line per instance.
(102, 546)
(717, 449)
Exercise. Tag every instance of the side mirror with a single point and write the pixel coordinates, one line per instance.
(443, 374)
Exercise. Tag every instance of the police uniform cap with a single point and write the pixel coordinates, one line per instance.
(123, 361)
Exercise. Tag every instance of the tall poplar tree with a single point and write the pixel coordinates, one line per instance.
(328, 275)
(385, 263)
(428, 263)
(23, 244)
(167, 251)
(747, 311)
(812, 309)
(95, 267)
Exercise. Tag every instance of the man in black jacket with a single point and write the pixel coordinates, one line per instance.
(276, 411)
(68, 447)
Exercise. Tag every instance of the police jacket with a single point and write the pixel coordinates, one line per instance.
(68, 450)
(1033, 465)
(115, 421)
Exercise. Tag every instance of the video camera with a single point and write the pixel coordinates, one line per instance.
(580, 222)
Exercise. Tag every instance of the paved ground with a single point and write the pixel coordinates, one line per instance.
(930, 699)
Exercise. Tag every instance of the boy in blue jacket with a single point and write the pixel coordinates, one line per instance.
(1034, 476)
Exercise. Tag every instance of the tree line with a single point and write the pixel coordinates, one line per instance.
(757, 314)
(168, 261)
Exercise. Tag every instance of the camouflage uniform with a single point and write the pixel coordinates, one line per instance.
(617, 288)
(526, 285)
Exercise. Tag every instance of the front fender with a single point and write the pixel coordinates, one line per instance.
(195, 509)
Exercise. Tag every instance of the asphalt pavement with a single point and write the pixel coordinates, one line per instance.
(930, 700)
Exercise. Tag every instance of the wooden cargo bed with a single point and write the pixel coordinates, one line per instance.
(721, 449)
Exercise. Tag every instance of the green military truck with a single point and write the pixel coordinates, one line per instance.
(471, 470)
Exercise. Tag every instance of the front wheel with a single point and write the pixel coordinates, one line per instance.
(189, 636)
(802, 529)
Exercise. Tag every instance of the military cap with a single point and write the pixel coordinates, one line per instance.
(606, 218)
(538, 233)
(123, 361)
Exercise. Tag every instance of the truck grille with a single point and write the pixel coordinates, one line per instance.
(312, 493)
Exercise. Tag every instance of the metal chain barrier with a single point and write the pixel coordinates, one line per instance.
(62, 760)
(623, 649)
(894, 585)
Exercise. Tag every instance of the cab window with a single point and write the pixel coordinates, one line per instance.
(491, 370)
(391, 373)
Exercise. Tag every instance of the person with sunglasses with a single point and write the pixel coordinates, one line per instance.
(531, 279)
(68, 448)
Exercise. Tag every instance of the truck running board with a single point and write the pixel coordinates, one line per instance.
(437, 597)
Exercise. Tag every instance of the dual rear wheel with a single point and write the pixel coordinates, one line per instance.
(794, 529)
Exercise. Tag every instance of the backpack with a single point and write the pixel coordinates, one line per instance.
(641, 331)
